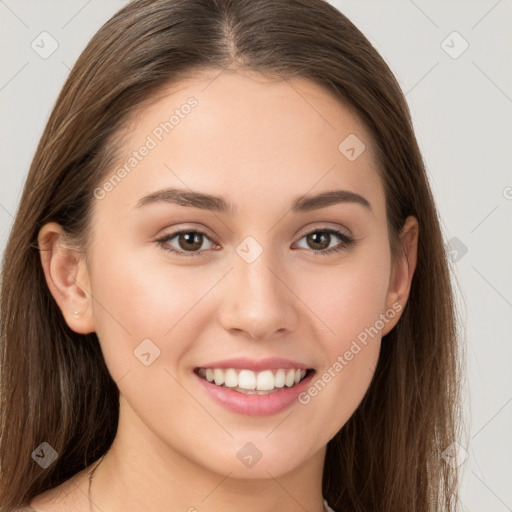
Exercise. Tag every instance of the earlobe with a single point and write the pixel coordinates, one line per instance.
(67, 278)
(403, 271)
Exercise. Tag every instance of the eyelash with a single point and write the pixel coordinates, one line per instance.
(346, 240)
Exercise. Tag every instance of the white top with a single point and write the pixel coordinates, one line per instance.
(327, 507)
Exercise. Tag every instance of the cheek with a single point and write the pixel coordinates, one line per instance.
(350, 300)
(337, 389)
(136, 300)
(348, 297)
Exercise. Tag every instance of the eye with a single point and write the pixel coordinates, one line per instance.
(321, 241)
(188, 241)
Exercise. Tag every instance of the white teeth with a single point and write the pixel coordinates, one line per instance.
(230, 378)
(247, 380)
(290, 378)
(279, 379)
(266, 380)
(218, 377)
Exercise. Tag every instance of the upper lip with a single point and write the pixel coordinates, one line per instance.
(257, 364)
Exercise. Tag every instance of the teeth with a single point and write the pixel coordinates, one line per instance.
(218, 377)
(290, 378)
(279, 378)
(252, 382)
(247, 380)
(265, 381)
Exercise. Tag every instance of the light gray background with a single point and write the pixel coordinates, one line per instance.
(462, 113)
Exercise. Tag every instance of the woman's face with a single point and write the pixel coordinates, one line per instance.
(264, 277)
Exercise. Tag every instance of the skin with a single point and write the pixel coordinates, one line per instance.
(260, 144)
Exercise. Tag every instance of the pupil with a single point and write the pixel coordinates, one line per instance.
(320, 238)
(192, 241)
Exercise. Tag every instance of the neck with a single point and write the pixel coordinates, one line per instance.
(141, 472)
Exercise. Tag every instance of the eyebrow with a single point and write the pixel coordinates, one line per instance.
(218, 204)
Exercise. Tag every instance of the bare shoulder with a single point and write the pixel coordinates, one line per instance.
(70, 496)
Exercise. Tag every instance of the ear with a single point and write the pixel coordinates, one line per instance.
(402, 272)
(67, 277)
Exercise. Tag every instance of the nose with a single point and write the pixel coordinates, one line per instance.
(257, 300)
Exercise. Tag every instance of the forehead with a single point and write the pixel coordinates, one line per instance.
(245, 136)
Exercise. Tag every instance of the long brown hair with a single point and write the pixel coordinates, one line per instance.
(55, 386)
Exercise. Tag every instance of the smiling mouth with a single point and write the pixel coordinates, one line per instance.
(254, 383)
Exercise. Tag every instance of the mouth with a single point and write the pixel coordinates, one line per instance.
(249, 382)
(253, 387)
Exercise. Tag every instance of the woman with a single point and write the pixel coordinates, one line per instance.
(225, 287)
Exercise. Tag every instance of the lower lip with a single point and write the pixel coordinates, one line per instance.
(255, 405)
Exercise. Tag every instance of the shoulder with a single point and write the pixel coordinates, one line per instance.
(70, 496)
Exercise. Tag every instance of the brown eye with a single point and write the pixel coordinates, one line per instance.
(186, 242)
(190, 241)
(319, 240)
(325, 241)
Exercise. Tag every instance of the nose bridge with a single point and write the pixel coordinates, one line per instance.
(257, 301)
